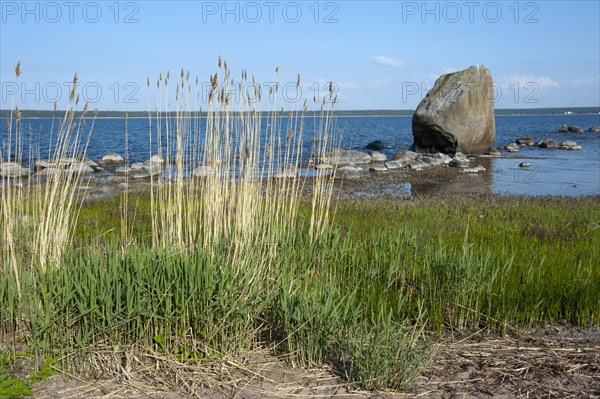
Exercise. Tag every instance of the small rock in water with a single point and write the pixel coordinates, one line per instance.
(570, 129)
(492, 152)
(547, 143)
(417, 165)
(79, 168)
(459, 163)
(289, 171)
(204, 171)
(435, 159)
(405, 156)
(460, 156)
(13, 169)
(475, 169)
(112, 158)
(378, 167)
(395, 164)
(570, 145)
(526, 141)
(94, 166)
(346, 157)
(575, 129)
(512, 147)
(324, 166)
(378, 156)
(140, 170)
(156, 159)
(524, 165)
(376, 145)
(347, 172)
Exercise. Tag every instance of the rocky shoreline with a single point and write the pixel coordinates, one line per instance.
(365, 173)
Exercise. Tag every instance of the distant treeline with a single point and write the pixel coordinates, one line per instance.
(4, 113)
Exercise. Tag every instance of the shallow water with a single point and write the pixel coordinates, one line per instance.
(552, 172)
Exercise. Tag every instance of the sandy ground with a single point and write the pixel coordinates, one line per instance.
(547, 363)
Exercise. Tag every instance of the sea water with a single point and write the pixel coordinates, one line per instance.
(551, 171)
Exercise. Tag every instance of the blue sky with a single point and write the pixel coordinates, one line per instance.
(379, 54)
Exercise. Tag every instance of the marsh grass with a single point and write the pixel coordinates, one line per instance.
(39, 212)
(237, 181)
(491, 262)
(361, 298)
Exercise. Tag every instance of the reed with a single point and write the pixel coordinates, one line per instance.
(40, 211)
(237, 180)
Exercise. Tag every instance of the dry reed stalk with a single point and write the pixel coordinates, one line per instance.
(238, 200)
(39, 219)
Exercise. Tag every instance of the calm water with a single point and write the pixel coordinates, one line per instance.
(552, 172)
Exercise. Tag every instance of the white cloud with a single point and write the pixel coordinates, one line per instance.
(541, 82)
(389, 61)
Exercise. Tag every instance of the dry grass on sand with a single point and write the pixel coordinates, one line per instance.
(547, 363)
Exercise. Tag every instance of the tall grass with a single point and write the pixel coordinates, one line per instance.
(236, 192)
(39, 213)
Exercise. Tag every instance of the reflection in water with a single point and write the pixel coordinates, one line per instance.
(459, 182)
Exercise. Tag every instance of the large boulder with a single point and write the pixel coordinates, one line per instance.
(457, 115)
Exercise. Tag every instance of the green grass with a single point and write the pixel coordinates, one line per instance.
(361, 298)
(494, 261)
